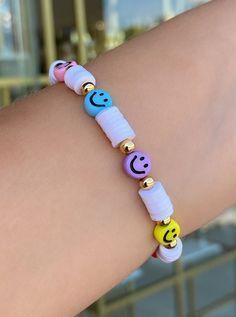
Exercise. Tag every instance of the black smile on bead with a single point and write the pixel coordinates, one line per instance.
(165, 236)
(132, 166)
(93, 103)
(61, 65)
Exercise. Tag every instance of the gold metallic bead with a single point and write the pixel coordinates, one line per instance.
(127, 146)
(166, 221)
(147, 182)
(86, 88)
(172, 244)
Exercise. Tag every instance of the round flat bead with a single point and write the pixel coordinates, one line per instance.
(52, 79)
(114, 125)
(137, 164)
(61, 68)
(96, 101)
(170, 255)
(76, 76)
(165, 234)
(157, 202)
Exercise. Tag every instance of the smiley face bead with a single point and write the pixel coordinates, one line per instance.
(61, 68)
(166, 234)
(96, 101)
(137, 164)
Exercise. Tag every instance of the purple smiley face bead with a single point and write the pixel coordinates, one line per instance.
(137, 164)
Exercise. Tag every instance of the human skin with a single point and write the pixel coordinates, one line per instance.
(72, 225)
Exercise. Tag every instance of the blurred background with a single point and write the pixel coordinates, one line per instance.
(33, 34)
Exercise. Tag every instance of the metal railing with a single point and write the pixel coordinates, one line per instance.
(178, 281)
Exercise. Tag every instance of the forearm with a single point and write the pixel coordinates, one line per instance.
(72, 225)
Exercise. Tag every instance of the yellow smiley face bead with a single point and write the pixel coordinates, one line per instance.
(166, 234)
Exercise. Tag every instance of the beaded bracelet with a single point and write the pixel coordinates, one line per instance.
(137, 164)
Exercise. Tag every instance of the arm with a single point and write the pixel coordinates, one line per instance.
(72, 225)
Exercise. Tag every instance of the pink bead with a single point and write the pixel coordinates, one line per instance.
(137, 164)
(61, 68)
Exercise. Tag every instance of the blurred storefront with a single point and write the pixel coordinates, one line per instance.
(33, 34)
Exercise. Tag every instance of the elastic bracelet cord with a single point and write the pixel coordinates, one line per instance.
(98, 104)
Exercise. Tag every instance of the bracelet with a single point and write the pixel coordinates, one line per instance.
(98, 104)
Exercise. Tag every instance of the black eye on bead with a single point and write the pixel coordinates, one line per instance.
(105, 100)
(141, 158)
(58, 64)
(173, 230)
(101, 94)
(145, 165)
(175, 235)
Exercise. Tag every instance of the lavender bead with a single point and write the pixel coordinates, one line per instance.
(170, 255)
(157, 202)
(115, 126)
(76, 76)
(137, 164)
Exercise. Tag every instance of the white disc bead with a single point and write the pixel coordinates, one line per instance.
(76, 76)
(170, 255)
(52, 78)
(157, 202)
(115, 126)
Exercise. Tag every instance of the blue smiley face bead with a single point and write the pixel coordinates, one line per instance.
(97, 100)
